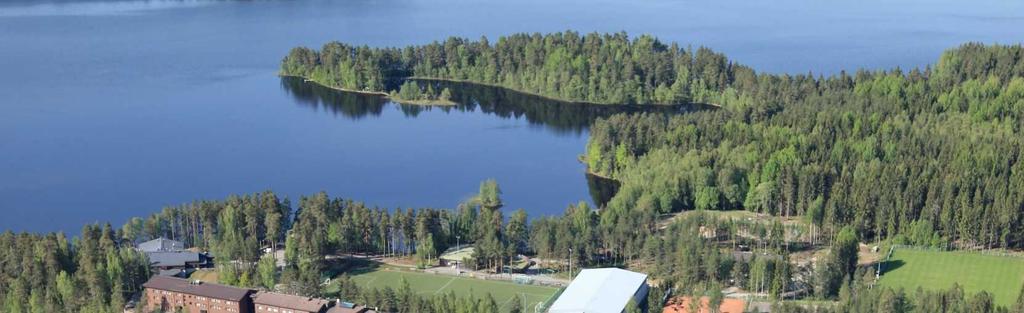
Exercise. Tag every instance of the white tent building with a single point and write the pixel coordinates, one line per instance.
(601, 290)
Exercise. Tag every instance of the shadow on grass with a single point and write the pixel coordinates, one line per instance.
(892, 265)
(351, 267)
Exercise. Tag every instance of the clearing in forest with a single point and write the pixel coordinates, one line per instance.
(1000, 275)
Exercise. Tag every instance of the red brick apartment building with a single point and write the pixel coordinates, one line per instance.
(272, 302)
(168, 294)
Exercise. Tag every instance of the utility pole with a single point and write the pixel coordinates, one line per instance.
(570, 263)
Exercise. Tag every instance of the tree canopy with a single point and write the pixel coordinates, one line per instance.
(592, 68)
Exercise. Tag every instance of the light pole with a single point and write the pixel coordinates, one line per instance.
(570, 263)
(457, 237)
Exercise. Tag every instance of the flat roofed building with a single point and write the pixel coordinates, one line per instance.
(169, 260)
(168, 294)
(601, 290)
(272, 302)
(683, 305)
(346, 307)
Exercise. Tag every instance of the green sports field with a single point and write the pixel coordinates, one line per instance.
(435, 284)
(1000, 275)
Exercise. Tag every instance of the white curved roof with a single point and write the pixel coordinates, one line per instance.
(599, 290)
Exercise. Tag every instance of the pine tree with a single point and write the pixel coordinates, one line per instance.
(268, 271)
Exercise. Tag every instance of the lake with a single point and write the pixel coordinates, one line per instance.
(114, 109)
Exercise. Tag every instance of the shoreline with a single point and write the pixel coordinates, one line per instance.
(549, 97)
(588, 171)
(451, 103)
(378, 93)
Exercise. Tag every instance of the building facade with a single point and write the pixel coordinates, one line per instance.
(272, 302)
(168, 294)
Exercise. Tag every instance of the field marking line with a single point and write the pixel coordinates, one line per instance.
(445, 285)
(370, 282)
(507, 301)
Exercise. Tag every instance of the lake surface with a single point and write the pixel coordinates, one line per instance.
(115, 109)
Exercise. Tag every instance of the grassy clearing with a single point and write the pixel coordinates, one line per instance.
(209, 276)
(435, 284)
(1000, 275)
(461, 254)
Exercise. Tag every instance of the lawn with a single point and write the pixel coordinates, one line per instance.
(1000, 275)
(208, 275)
(436, 284)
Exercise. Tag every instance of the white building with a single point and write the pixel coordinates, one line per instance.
(601, 290)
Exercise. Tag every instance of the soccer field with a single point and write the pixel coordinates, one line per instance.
(1000, 275)
(435, 284)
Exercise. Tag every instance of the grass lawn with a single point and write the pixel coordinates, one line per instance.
(461, 254)
(435, 284)
(209, 276)
(1000, 275)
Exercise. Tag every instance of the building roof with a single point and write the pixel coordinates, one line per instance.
(682, 305)
(171, 272)
(161, 244)
(281, 300)
(599, 290)
(172, 259)
(197, 288)
(345, 307)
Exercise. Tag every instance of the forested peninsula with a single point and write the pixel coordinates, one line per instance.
(595, 68)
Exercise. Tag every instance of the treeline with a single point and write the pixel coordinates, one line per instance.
(863, 298)
(238, 230)
(96, 272)
(412, 91)
(235, 228)
(694, 253)
(592, 68)
(929, 156)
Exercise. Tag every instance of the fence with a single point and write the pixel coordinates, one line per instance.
(543, 306)
(888, 256)
(992, 252)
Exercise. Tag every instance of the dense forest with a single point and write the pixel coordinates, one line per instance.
(86, 273)
(94, 272)
(926, 157)
(592, 68)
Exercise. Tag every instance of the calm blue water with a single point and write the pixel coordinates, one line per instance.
(114, 109)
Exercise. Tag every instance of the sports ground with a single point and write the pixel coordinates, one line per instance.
(436, 284)
(1000, 275)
